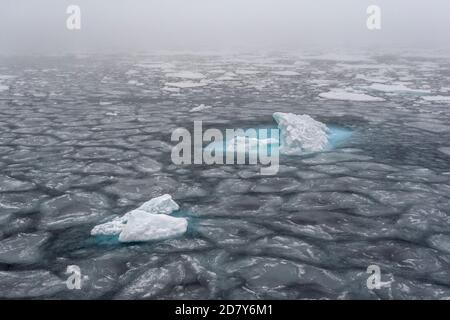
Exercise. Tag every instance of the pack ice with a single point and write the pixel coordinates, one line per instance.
(151, 221)
(300, 133)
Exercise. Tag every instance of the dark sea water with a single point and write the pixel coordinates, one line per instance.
(86, 138)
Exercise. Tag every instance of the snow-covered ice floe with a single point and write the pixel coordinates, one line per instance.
(296, 135)
(151, 221)
(300, 133)
(340, 94)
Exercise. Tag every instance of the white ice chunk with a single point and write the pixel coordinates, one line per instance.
(186, 75)
(300, 133)
(200, 108)
(399, 87)
(142, 226)
(169, 89)
(160, 205)
(186, 84)
(340, 94)
(148, 222)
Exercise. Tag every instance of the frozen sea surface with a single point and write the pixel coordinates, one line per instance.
(86, 139)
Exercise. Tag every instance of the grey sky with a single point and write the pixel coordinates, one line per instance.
(28, 26)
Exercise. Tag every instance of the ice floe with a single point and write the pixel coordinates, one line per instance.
(148, 222)
(186, 75)
(187, 84)
(341, 94)
(399, 87)
(300, 133)
(436, 98)
(286, 73)
(200, 108)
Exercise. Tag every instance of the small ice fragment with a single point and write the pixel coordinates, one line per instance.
(148, 222)
(200, 108)
(186, 75)
(340, 94)
(399, 87)
(160, 205)
(186, 84)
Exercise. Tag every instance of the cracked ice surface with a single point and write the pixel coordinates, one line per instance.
(80, 146)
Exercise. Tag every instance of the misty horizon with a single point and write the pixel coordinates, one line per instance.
(199, 25)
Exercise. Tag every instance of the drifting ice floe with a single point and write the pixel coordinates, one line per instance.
(399, 87)
(340, 94)
(300, 133)
(148, 222)
(187, 84)
(200, 108)
(186, 75)
(437, 98)
(286, 73)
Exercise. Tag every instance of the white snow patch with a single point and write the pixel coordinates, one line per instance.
(341, 94)
(300, 133)
(148, 222)
(3, 88)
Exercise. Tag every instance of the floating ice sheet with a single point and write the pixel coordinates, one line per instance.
(341, 94)
(148, 222)
(297, 134)
(398, 87)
